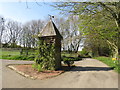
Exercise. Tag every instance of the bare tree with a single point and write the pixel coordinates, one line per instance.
(69, 29)
(1, 28)
(14, 29)
(30, 30)
(75, 36)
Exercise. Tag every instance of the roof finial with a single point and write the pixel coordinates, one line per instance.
(51, 16)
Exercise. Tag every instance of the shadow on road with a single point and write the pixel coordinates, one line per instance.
(78, 68)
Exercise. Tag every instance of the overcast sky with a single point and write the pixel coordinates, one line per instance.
(22, 12)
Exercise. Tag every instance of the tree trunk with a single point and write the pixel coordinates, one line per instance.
(115, 53)
(114, 49)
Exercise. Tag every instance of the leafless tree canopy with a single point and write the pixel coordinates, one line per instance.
(16, 33)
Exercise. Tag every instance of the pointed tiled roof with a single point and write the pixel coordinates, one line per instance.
(50, 30)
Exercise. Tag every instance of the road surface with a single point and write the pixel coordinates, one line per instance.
(88, 73)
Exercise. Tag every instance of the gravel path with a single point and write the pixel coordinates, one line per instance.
(89, 73)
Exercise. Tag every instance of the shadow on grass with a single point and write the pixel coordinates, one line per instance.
(78, 68)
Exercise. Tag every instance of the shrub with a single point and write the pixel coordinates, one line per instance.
(85, 54)
(71, 58)
(30, 57)
(45, 59)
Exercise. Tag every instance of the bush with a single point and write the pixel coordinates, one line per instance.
(45, 56)
(71, 58)
(85, 54)
(30, 57)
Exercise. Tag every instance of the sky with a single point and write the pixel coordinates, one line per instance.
(22, 12)
(19, 11)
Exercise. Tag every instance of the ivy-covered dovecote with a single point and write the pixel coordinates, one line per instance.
(51, 38)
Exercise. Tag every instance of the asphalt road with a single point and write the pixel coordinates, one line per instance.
(89, 73)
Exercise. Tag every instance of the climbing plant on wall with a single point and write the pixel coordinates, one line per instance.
(45, 59)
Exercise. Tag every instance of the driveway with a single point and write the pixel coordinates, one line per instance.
(89, 73)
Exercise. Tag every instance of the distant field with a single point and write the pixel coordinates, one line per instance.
(9, 52)
(17, 52)
(14, 54)
(0, 53)
(69, 54)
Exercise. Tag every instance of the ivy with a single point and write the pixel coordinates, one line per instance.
(45, 59)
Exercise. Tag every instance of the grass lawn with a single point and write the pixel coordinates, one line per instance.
(5, 53)
(12, 54)
(110, 62)
(9, 52)
(15, 55)
(69, 54)
(0, 53)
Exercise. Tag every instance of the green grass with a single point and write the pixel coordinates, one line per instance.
(12, 54)
(73, 54)
(9, 52)
(110, 62)
(69, 54)
(0, 53)
(18, 57)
